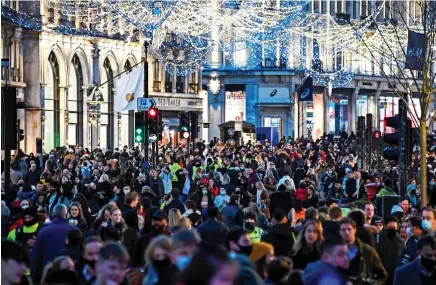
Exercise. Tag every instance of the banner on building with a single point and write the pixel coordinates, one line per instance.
(415, 51)
(305, 93)
(129, 88)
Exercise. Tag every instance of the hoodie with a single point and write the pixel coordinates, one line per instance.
(282, 237)
(321, 273)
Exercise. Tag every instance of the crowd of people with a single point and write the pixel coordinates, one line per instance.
(299, 212)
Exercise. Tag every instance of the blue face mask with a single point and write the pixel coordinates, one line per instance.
(204, 192)
(426, 225)
(409, 232)
(223, 193)
(182, 262)
(431, 183)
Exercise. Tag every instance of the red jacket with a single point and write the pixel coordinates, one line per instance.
(301, 194)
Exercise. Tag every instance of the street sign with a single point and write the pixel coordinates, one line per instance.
(152, 138)
(145, 103)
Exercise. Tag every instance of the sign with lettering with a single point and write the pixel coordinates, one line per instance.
(179, 103)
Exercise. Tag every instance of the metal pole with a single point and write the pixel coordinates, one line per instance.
(146, 143)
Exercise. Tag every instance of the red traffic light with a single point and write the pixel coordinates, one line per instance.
(152, 113)
(376, 134)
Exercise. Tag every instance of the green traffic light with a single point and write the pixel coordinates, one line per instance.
(139, 131)
(184, 129)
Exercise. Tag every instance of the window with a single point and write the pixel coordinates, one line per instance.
(156, 77)
(75, 103)
(51, 129)
(193, 86)
(168, 82)
(107, 108)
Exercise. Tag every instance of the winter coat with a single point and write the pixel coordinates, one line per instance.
(230, 212)
(156, 185)
(409, 274)
(370, 265)
(389, 249)
(282, 237)
(281, 200)
(301, 194)
(302, 259)
(50, 239)
(174, 204)
(112, 232)
(330, 229)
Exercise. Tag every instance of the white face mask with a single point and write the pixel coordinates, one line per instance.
(126, 191)
(24, 207)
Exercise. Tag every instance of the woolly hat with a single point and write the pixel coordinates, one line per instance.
(31, 211)
(260, 250)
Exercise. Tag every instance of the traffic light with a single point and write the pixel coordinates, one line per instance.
(153, 114)
(139, 127)
(392, 152)
(21, 137)
(184, 122)
(376, 135)
(153, 121)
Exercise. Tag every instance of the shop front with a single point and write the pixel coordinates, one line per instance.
(172, 109)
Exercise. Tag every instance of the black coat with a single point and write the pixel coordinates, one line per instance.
(389, 249)
(280, 200)
(302, 259)
(174, 204)
(282, 237)
(110, 232)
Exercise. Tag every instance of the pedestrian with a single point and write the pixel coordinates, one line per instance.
(365, 263)
(306, 247)
(14, 263)
(111, 265)
(49, 241)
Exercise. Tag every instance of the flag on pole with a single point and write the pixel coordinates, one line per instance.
(129, 87)
(305, 93)
(415, 51)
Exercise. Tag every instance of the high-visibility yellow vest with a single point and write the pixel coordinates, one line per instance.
(256, 235)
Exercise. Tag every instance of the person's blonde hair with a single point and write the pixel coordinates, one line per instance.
(174, 217)
(301, 244)
(162, 241)
(185, 224)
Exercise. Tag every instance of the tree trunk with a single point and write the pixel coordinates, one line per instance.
(423, 166)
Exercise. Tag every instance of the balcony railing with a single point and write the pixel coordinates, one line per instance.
(169, 87)
(193, 88)
(157, 86)
(180, 87)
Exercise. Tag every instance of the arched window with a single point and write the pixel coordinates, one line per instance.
(107, 107)
(75, 103)
(127, 127)
(51, 129)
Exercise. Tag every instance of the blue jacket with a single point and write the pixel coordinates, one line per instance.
(409, 252)
(408, 274)
(49, 241)
(321, 273)
(230, 212)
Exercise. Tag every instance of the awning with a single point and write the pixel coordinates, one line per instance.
(246, 126)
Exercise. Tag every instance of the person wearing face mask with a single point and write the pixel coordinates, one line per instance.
(240, 246)
(26, 234)
(250, 225)
(422, 270)
(160, 270)
(159, 226)
(91, 248)
(415, 232)
(222, 200)
(429, 220)
(389, 246)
